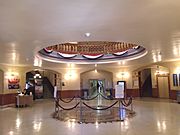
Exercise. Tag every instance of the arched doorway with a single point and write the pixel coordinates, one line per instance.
(93, 82)
(42, 83)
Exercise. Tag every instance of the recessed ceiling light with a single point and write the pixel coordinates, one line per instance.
(87, 34)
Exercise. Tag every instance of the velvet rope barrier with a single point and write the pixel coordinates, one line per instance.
(126, 104)
(100, 108)
(89, 98)
(106, 97)
(67, 101)
(67, 108)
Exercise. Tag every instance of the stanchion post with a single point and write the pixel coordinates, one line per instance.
(132, 108)
(60, 114)
(76, 99)
(80, 107)
(56, 108)
(55, 105)
(120, 111)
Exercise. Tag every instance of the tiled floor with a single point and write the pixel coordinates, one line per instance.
(154, 117)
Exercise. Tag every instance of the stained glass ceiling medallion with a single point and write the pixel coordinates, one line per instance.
(91, 52)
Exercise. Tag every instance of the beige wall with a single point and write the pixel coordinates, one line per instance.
(73, 82)
(71, 77)
(174, 68)
(20, 71)
(1, 81)
(154, 70)
(123, 74)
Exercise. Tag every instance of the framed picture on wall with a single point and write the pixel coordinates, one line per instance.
(13, 82)
(175, 80)
(135, 83)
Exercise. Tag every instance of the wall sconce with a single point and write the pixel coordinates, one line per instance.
(177, 70)
(70, 75)
(122, 75)
(10, 75)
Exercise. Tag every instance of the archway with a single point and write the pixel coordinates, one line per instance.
(42, 82)
(94, 82)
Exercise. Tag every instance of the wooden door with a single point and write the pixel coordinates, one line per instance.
(163, 86)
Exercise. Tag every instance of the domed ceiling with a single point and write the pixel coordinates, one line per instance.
(92, 52)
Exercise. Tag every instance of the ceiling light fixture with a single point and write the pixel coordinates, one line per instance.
(87, 34)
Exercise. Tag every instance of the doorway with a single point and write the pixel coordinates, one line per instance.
(163, 86)
(145, 83)
(43, 83)
(96, 87)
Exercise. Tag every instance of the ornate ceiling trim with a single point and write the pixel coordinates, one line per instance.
(91, 52)
(64, 55)
(92, 47)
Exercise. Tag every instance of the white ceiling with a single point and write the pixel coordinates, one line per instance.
(26, 26)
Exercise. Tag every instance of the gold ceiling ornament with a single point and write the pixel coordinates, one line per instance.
(92, 47)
